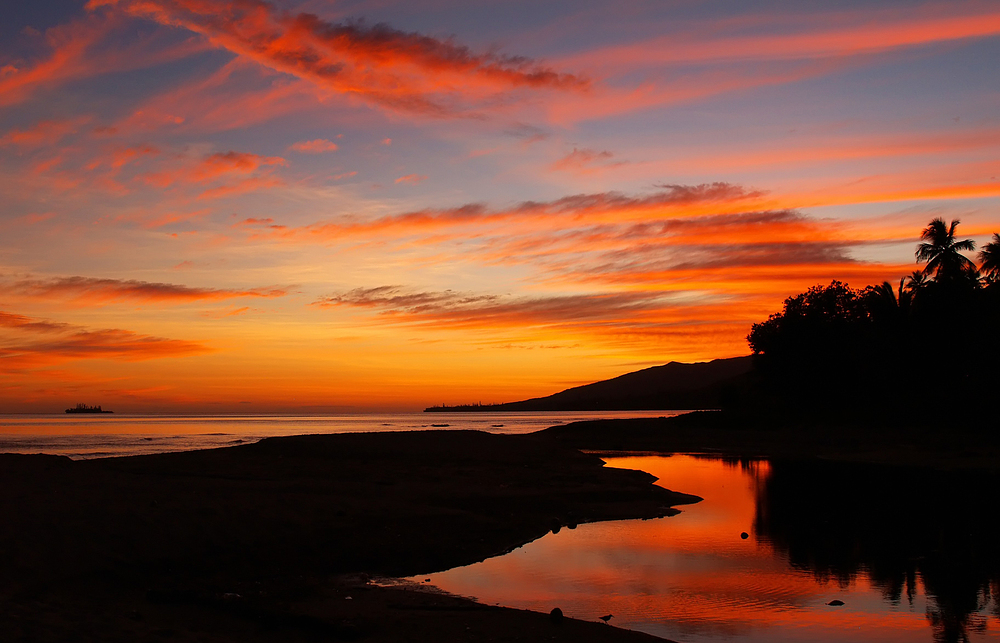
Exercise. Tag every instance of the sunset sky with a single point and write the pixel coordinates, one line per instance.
(239, 206)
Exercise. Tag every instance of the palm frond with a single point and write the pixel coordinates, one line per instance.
(989, 257)
(968, 245)
(925, 251)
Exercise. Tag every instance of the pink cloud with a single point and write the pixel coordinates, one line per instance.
(76, 52)
(241, 173)
(412, 179)
(38, 342)
(586, 161)
(43, 133)
(396, 70)
(317, 146)
(97, 291)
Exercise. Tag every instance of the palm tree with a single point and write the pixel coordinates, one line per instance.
(915, 281)
(943, 253)
(989, 256)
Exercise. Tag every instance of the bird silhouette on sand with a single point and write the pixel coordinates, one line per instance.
(606, 618)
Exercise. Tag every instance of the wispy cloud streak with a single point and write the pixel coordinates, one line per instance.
(95, 291)
(402, 71)
(38, 342)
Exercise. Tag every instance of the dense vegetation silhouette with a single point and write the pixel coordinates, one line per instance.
(925, 349)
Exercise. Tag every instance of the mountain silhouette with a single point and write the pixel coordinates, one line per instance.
(676, 385)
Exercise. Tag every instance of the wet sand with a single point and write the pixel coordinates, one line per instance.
(266, 542)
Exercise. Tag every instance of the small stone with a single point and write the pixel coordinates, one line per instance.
(836, 602)
(556, 615)
(744, 535)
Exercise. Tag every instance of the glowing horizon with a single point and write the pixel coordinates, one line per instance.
(316, 206)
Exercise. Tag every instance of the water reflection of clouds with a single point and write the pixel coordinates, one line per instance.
(92, 436)
(691, 577)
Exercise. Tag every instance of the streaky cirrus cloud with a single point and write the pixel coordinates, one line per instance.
(619, 239)
(702, 59)
(832, 34)
(398, 70)
(28, 343)
(75, 52)
(623, 319)
(92, 290)
(585, 161)
(411, 179)
(44, 133)
(239, 172)
(668, 201)
(316, 146)
(397, 303)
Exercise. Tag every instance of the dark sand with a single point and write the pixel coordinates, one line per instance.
(265, 542)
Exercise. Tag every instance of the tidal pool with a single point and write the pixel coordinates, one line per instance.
(911, 554)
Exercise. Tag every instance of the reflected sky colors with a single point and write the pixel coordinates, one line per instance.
(692, 578)
(84, 436)
(317, 206)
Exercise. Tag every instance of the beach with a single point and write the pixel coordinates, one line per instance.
(267, 541)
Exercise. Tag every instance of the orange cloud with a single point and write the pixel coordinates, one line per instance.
(95, 291)
(841, 34)
(625, 319)
(843, 148)
(670, 201)
(689, 267)
(76, 54)
(412, 179)
(402, 71)
(218, 164)
(222, 166)
(491, 310)
(252, 184)
(586, 160)
(43, 133)
(317, 146)
(69, 44)
(238, 95)
(40, 342)
(126, 155)
(702, 60)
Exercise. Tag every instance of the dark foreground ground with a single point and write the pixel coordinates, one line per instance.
(277, 541)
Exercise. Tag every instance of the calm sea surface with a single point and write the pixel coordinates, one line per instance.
(98, 436)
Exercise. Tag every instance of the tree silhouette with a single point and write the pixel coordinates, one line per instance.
(989, 257)
(943, 253)
(915, 281)
(834, 351)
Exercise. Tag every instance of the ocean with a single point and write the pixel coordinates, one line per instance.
(83, 436)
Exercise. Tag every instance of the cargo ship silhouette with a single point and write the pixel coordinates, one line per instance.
(83, 408)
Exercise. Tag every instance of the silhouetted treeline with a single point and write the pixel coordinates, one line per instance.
(924, 349)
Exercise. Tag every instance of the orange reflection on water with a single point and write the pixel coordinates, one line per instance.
(690, 577)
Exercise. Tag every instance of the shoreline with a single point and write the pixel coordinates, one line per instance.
(719, 434)
(264, 541)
